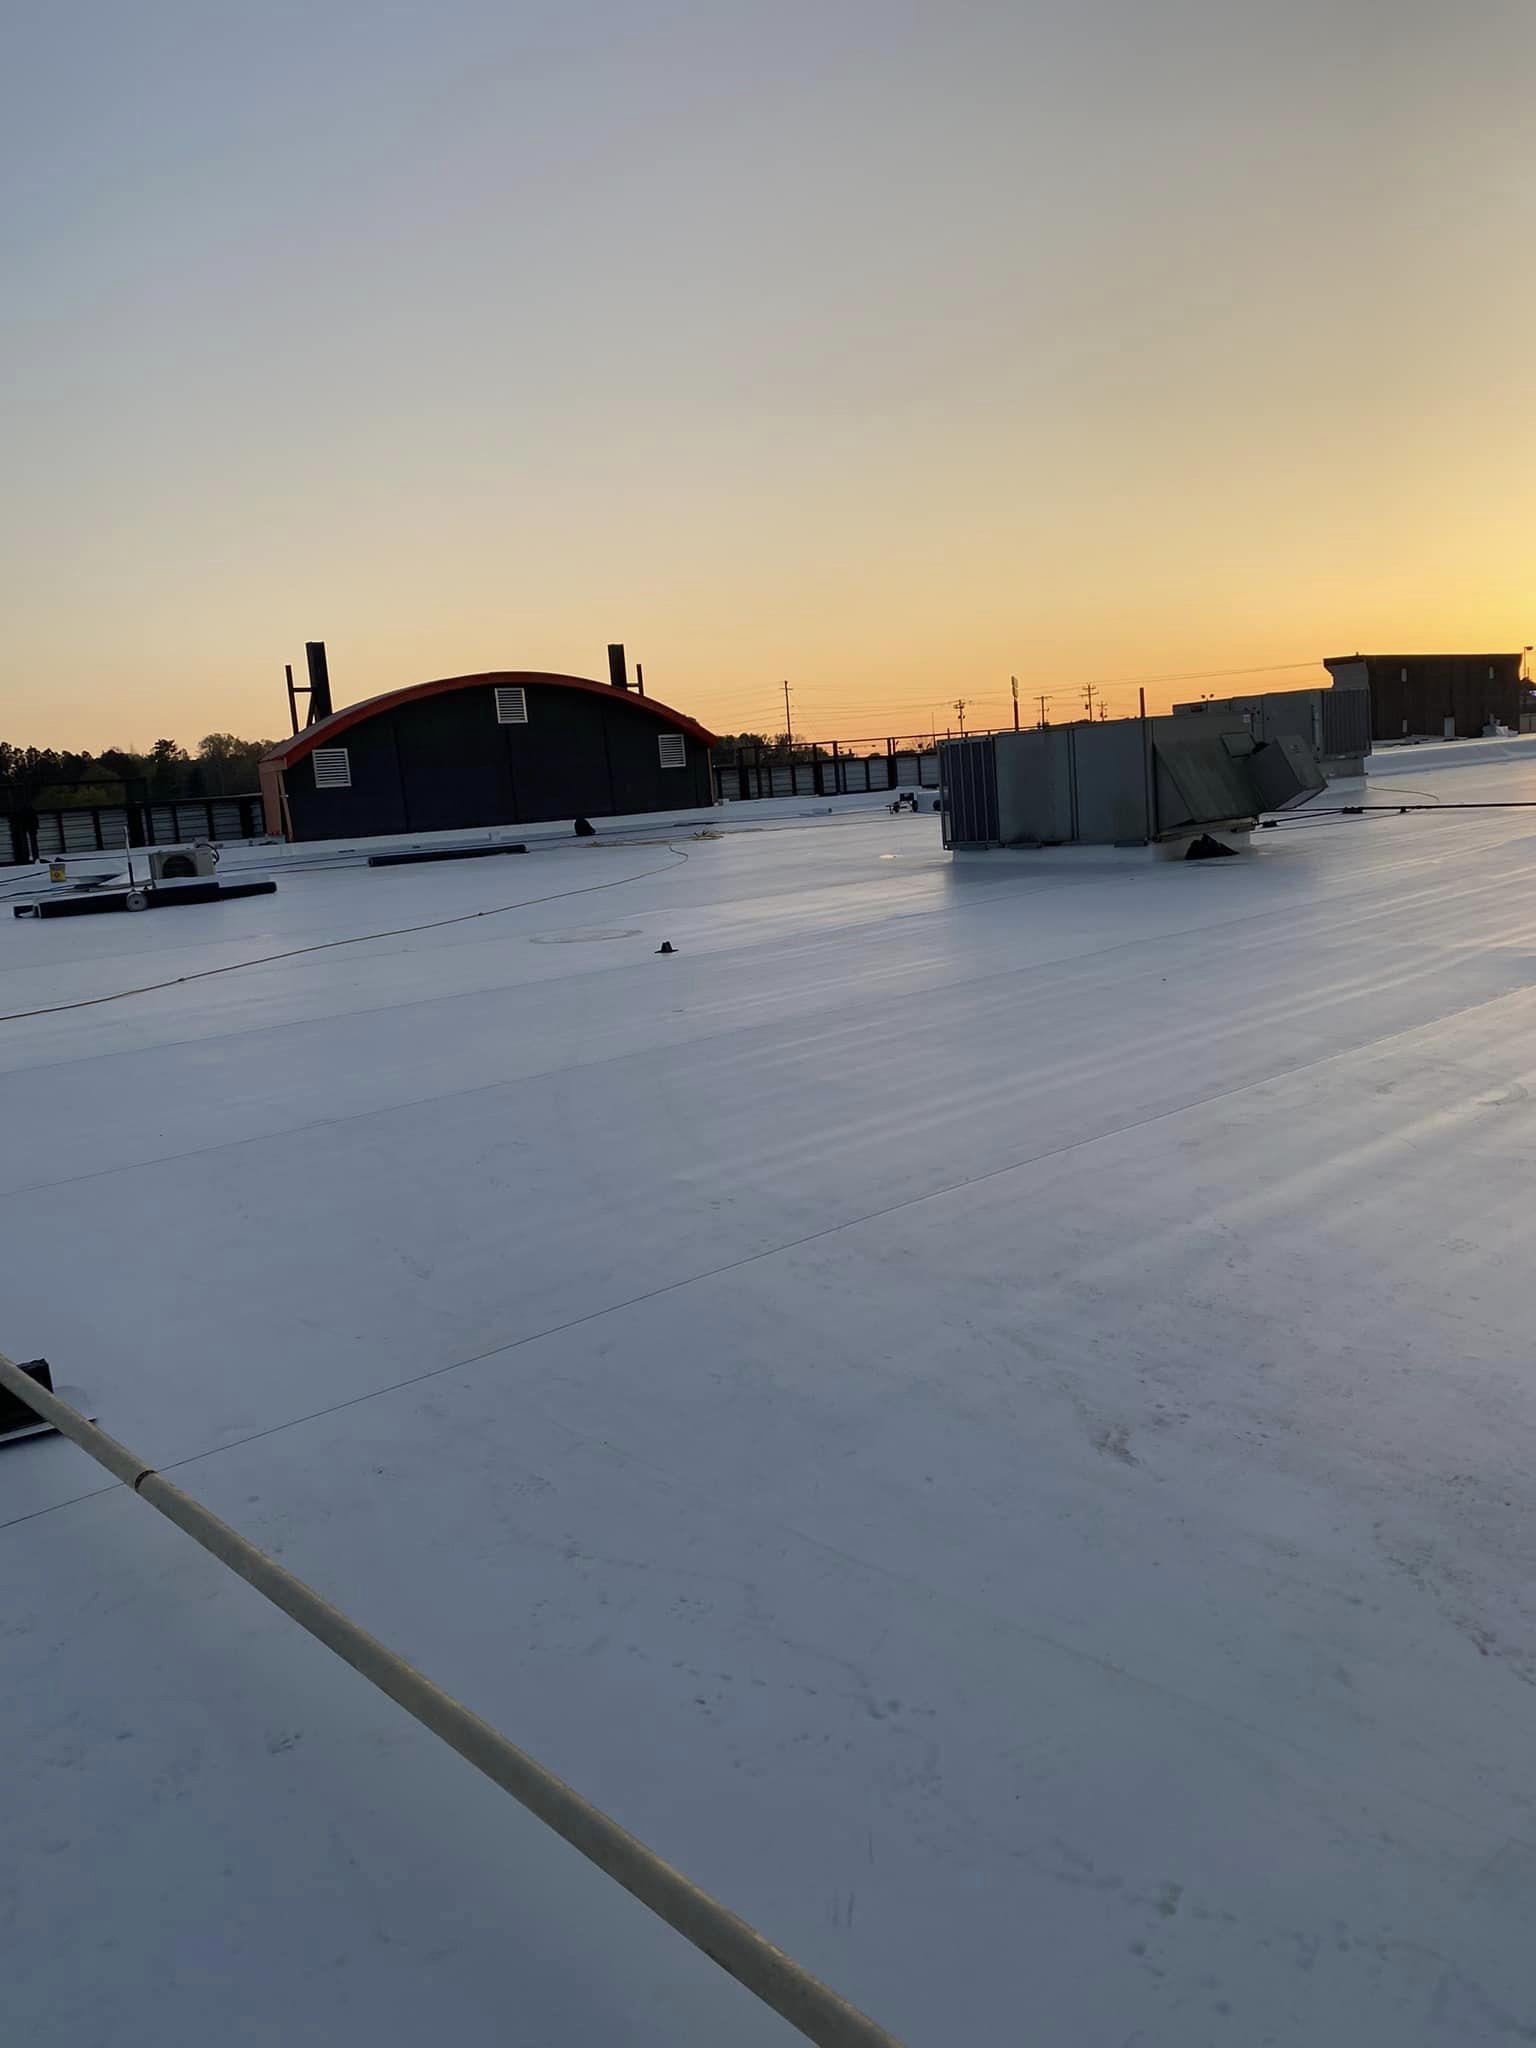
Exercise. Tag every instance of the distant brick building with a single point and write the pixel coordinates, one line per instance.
(1435, 696)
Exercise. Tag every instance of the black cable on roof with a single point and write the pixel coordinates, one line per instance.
(329, 945)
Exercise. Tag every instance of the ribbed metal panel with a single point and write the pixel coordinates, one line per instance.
(1346, 721)
(968, 779)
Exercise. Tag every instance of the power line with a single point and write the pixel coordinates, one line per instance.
(1097, 683)
(1202, 675)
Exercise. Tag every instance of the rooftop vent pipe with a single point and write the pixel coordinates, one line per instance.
(618, 673)
(319, 680)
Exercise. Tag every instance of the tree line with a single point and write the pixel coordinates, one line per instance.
(53, 778)
(731, 745)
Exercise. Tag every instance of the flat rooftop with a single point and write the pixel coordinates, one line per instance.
(986, 1411)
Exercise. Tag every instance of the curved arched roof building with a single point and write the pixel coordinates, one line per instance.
(505, 748)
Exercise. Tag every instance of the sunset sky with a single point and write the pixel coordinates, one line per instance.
(891, 348)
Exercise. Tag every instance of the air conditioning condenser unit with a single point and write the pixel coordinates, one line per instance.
(183, 864)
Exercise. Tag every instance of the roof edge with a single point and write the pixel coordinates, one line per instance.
(1476, 654)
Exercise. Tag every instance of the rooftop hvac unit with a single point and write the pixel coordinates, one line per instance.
(1118, 782)
(184, 864)
(1335, 723)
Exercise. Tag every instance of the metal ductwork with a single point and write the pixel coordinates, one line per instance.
(1335, 723)
(1119, 781)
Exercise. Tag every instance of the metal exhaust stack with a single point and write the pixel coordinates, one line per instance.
(618, 673)
(319, 681)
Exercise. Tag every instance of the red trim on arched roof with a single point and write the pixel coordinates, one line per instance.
(326, 730)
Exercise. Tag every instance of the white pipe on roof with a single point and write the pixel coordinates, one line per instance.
(811, 2007)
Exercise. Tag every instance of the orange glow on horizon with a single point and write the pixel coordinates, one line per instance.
(777, 343)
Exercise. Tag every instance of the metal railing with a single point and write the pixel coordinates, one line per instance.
(107, 828)
(835, 768)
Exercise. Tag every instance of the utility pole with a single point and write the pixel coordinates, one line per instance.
(1045, 716)
(1015, 682)
(960, 714)
(789, 731)
(1089, 699)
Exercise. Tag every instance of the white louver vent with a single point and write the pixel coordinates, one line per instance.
(333, 768)
(673, 749)
(511, 704)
